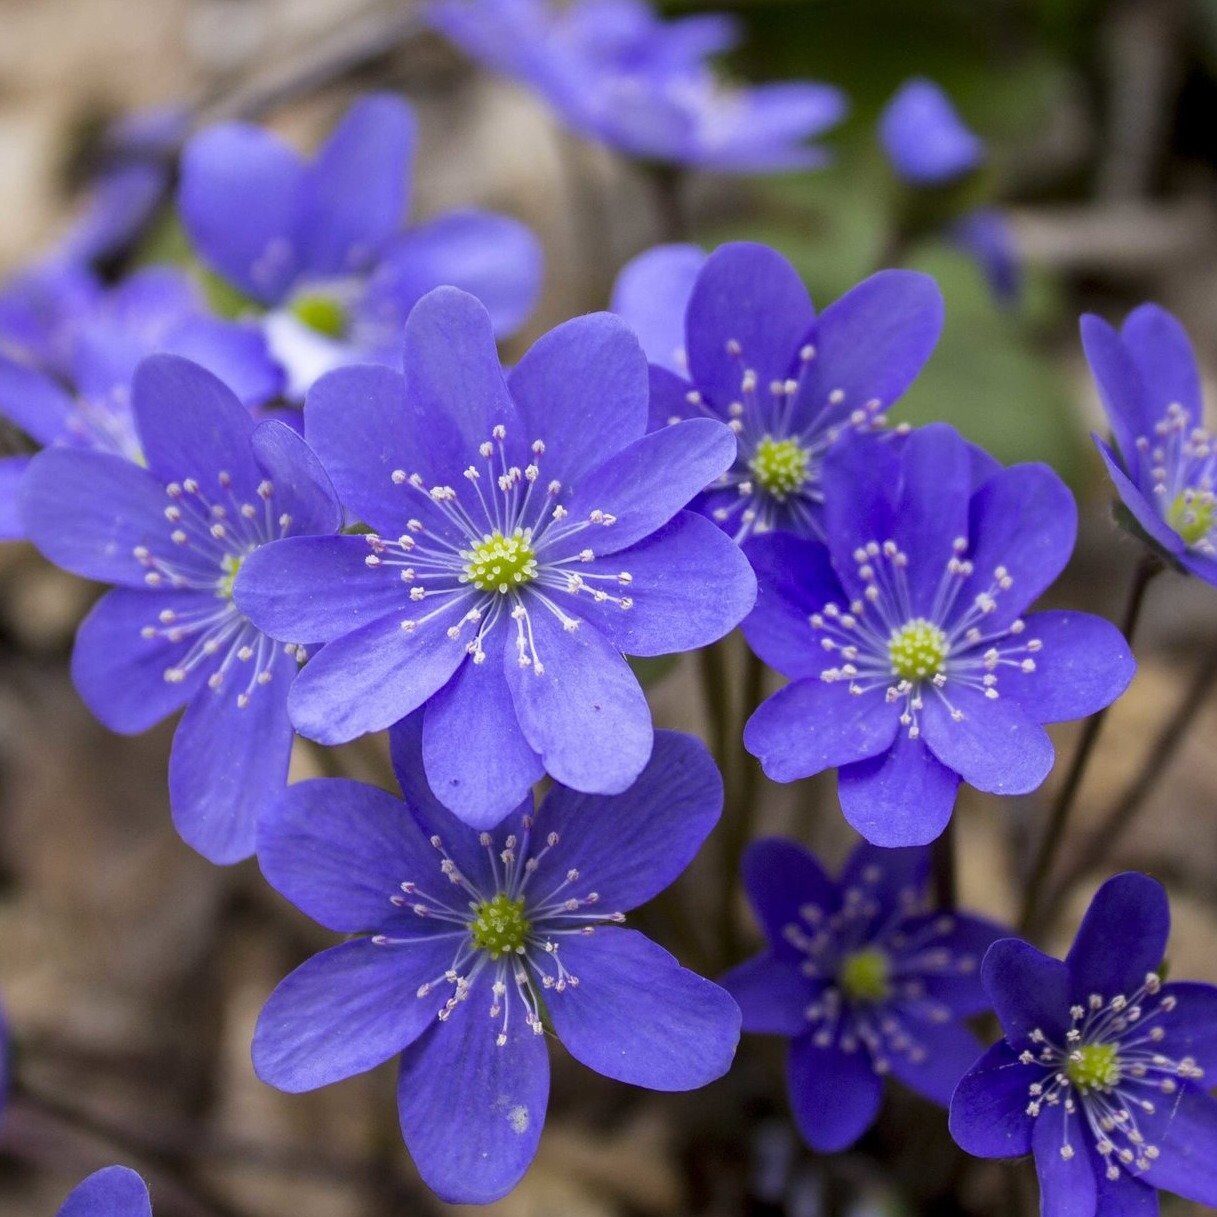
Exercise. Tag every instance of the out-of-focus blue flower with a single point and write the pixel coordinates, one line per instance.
(985, 236)
(157, 310)
(173, 532)
(863, 978)
(114, 1192)
(476, 937)
(615, 72)
(1104, 1070)
(528, 534)
(320, 243)
(734, 337)
(926, 141)
(40, 309)
(1165, 463)
(911, 663)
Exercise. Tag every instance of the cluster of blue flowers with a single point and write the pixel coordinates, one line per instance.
(338, 514)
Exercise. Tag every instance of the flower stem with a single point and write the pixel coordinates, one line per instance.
(1058, 816)
(1113, 826)
(668, 188)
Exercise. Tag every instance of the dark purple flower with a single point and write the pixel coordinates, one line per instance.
(734, 337)
(865, 980)
(1104, 1071)
(615, 72)
(113, 1192)
(911, 663)
(322, 248)
(39, 311)
(173, 536)
(1165, 464)
(155, 310)
(528, 534)
(476, 939)
(924, 137)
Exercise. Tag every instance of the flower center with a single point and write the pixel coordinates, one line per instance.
(780, 465)
(1094, 1067)
(1192, 515)
(230, 564)
(917, 650)
(499, 926)
(322, 313)
(499, 564)
(864, 976)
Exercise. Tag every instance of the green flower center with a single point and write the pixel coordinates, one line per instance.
(323, 314)
(1094, 1067)
(499, 564)
(499, 926)
(865, 976)
(780, 465)
(1192, 515)
(918, 649)
(230, 564)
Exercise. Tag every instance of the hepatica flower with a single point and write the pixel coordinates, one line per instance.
(864, 979)
(172, 534)
(113, 1192)
(615, 72)
(734, 337)
(320, 245)
(926, 141)
(1164, 465)
(474, 943)
(1104, 1070)
(912, 662)
(527, 533)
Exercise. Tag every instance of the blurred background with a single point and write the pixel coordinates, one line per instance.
(133, 971)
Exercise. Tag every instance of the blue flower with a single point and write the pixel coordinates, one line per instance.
(984, 234)
(1165, 464)
(615, 72)
(734, 337)
(926, 141)
(113, 1192)
(911, 663)
(1104, 1071)
(527, 534)
(863, 978)
(39, 310)
(155, 310)
(324, 250)
(173, 537)
(478, 942)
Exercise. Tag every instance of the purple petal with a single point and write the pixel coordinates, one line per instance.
(478, 762)
(834, 1095)
(223, 168)
(962, 944)
(493, 257)
(812, 725)
(772, 994)
(1162, 352)
(115, 1191)
(748, 310)
(631, 846)
(34, 402)
(234, 351)
(472, 1111)
(1124, 394)
(995, 746)
(582, 389)
(12, 471)
(669, 399)
(342, 227)
(1059, 1139)
(1184, 1130)
(368, 679)
(349, 1009)
(1144, 509)
(903, 796)
(924, 137)
(794, 578)
(637, 1016)
(940, 1052)
(1084, 665)
(302, 489)
(689, 582)
(580, 706)
(120, 674)
(1030, 990)
(1121, 939)
(88, 512)
(644, 485)
(860, 475)
(1192, 1027)
(652, 293)
(989, 1107)
(891, 881)
(781, 879)
(228, 761)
